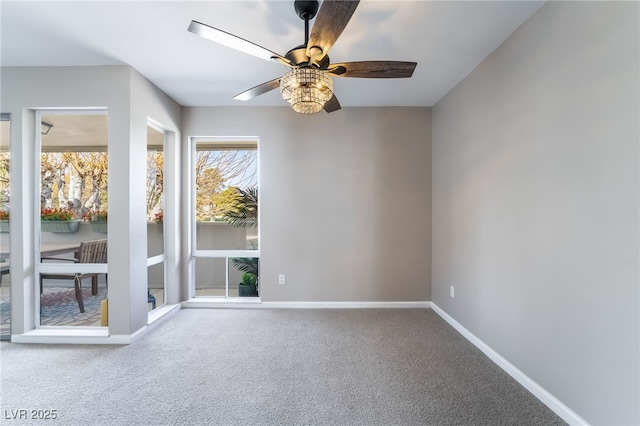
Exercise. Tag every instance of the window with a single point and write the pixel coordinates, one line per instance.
(156, 291)
(226, 220)
(73, 200)
(5, 267)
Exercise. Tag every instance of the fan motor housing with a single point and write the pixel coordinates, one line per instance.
(298, 56)
(306, 10)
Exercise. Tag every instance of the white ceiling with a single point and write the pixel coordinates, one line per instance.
(446, 38)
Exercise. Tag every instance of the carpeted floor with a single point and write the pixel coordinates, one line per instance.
(273, 367)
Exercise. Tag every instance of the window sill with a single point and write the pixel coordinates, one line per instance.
(221, 302)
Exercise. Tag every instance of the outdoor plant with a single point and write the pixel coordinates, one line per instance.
(4, 219)
(96, 216)
(56, 214)
(248, 265)
(245, 212)
(248, 279)
(249, 285)
(245, 215)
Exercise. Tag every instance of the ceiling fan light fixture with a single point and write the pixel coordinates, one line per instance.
(307, 89)
(308, 86)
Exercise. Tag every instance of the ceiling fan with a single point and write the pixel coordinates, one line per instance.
(308, 86)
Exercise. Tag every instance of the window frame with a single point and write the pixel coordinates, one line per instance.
(217, 142)
(56, 268)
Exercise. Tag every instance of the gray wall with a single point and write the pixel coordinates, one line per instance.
(130, 100)
(535, 205)
(24, 88)
(147, 102)
(344, 198)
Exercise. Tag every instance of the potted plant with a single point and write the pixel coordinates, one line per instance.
(58, 220)
(98, 220)
(4, 221)
(158, 219)
(245, 215)
(249, 285)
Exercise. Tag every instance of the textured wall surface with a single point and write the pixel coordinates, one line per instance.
(535, 205)
(345, 199)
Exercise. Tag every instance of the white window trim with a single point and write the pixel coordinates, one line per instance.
(226, 142)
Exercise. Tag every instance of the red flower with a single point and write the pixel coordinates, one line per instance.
(56, 214)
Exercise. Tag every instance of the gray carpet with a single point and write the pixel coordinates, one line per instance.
(272, 367)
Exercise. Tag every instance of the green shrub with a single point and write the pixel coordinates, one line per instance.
(249, 279)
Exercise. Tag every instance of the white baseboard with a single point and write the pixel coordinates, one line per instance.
(255, 303)
(217, 302)
(345, 305)
(538, 391)
(162, 312)
(78, 335)
(67, 335)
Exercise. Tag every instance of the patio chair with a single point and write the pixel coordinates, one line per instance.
(89, 252)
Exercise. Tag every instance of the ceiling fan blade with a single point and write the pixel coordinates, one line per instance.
(332, 104)
(331, 19)
(373, 69)
(260, 89)
(235, 42)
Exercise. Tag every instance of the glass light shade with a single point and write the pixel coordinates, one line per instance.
(306, 89)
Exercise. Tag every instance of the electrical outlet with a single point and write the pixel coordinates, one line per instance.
(451, 291)
(281, 279)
